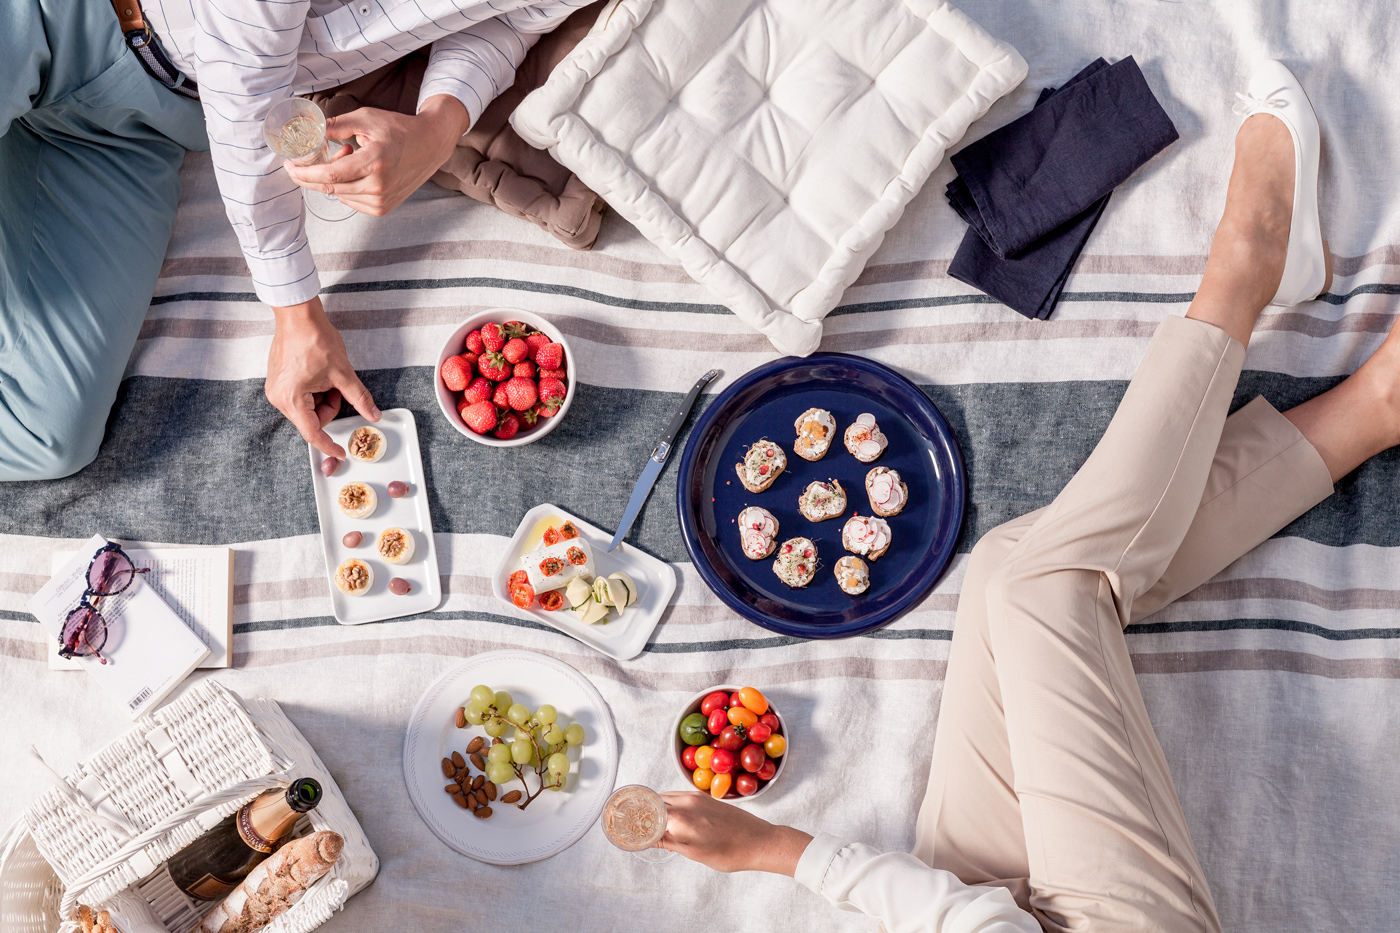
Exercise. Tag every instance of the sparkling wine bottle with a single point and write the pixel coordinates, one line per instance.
(214, 864)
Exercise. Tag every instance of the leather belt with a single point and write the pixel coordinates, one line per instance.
(143, 41)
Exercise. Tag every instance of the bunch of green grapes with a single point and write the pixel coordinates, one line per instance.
(539, 740)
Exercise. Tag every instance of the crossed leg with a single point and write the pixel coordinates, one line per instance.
(1047, 778)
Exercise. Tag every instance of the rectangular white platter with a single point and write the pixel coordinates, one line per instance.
(401, 461)
(621, 638)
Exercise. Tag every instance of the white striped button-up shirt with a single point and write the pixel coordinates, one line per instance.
(247, 55)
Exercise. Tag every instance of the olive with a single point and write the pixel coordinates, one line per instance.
(399, 586)
(398, 490)
(329, 465)
(352, 539)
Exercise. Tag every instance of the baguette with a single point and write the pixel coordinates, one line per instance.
(865, 440)
(274, 886)
(815, 429)
(866, 536)
(821, 501)
(796, 563)
(761, 465)
(758, 532)
(852, 575)
(888, 493)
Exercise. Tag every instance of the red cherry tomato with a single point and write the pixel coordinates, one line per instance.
(754, 700)
(731, 739)
(734, 699)
(719, 785)
(770, 768)
(717, 721)
(771, 721)
(717, 700)
(745, 784)
(758, 732)
(688, 758)
(752, 758)
(742, 716)
(552, 601)
(722, 762)
(519, 578)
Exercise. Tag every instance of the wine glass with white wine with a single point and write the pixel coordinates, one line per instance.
(295, 129)
(634, 820)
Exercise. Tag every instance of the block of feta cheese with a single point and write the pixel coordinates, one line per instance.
(552, 566)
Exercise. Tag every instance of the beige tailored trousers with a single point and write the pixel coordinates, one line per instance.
(1047, 777)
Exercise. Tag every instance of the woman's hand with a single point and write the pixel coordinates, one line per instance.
(397, 154)
(308, 373)
(729, 838)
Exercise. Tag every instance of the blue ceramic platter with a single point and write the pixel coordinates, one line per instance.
(766, 403)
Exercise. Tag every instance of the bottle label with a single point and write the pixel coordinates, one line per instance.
(251, 837)
(210, 888)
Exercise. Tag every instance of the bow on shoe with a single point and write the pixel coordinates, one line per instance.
(1248, 105)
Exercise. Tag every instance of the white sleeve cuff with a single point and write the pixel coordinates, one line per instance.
(473, 95)
(816, 859)
(285, 280)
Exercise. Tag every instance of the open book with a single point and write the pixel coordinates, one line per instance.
(196, 582)
(150, 650)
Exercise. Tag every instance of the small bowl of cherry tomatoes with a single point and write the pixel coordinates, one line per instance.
(730, 741)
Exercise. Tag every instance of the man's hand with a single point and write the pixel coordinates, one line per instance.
(308, 373)
(729, 838)
(397, 154)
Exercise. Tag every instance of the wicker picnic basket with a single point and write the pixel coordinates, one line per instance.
(102, 835)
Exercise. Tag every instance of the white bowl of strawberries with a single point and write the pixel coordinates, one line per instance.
(502, 377)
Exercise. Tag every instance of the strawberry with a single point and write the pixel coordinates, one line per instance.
(527, 418)
(471, 358)
(512, 329)
(521, 392)
(480, 417)
(508, 427)
(550, 356)
(493, 366)
(501, 397)
(475, 343)
(542, 412)
(515, 350)
(559, 373)
(535, 341)
(492, 337)
(478, 390)
(526, 369)
(456, 372)
(552, 394)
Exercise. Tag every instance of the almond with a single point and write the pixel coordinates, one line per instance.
(475, 745)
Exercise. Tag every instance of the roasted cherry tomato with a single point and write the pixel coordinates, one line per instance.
(551, 536)
(722, 761)
(759, 732)
(754, 700)
(552, 601)
(702, 778)
(688, 757)
(523, 596)
(745, 784)
(775, 746)
(731, 739)
(771, 721)
(770, 768)
(734, 699)
(703, 756)
(740, 716)
(752, 758)
(693, 730)
(717, 721)
(567, 531)
(519, 578)
(717, 700)
(719, 785)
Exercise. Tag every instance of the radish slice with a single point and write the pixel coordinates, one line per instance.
(868, 448)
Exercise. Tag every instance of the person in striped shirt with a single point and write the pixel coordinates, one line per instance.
(90, 150)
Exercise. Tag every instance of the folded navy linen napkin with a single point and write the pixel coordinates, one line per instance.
(1032, 191)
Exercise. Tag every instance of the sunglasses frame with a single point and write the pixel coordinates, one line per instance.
(89, 601)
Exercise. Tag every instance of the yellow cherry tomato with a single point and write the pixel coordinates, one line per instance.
(741, 716)
(719, 785)
(703, 755)
(703, 778)
(775, 746)
(753, 700)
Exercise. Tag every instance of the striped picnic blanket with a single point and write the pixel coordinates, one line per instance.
(1275, 688)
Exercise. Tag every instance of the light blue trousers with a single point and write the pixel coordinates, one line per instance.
(90, 153)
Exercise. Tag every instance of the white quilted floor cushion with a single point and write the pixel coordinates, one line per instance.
(768, 145)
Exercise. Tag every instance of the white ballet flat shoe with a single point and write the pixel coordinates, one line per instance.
(1274, 90)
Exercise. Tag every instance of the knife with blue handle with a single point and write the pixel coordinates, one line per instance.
(657, 461)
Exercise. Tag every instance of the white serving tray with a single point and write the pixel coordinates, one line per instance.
(620, 638)
(403, 462)
(553, 821)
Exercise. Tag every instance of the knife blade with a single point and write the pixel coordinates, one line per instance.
(657, 461)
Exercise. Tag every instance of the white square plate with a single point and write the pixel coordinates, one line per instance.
(621, 638)
(401, 461)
